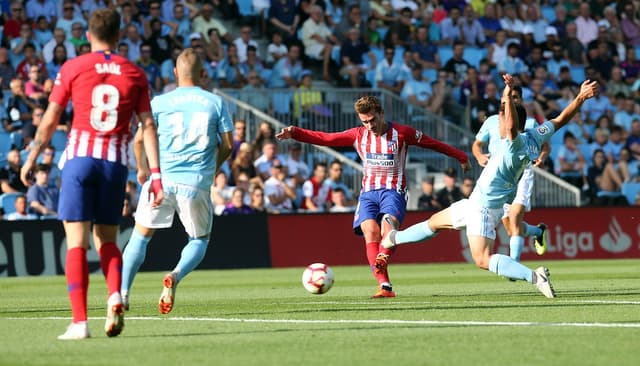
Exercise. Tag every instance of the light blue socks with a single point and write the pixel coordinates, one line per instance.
(415, 233)
(192, 254)
(132, 258)
(532, 230)
(515, 247)
(507, 267)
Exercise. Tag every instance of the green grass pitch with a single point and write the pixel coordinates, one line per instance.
(445, 314)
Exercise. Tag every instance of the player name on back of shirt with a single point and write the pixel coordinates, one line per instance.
(108, 68)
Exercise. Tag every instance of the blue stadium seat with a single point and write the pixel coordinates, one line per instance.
(335, 54)
(382, 31)
(430, 74)
(245, 8)
(585, 149)
(398, 55)
(548, 13)
(59, 140)
(446, 52)
(282, 102)
(630, 191)
(473, 55)
(5, 145)
(577, 73)
(7, 202)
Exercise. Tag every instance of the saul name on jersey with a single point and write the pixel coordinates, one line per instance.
(108, 68)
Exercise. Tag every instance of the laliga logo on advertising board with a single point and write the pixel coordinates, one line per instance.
(569, 243)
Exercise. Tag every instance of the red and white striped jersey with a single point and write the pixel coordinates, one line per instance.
(383, 157)
(106, 90)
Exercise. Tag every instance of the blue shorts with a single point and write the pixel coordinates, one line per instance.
(92, 190)
(372, 205)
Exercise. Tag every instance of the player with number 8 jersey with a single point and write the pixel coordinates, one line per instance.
(106, 91)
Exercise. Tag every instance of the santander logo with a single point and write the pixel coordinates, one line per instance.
(615, 240)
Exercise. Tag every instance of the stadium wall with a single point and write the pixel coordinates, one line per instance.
(38, 248)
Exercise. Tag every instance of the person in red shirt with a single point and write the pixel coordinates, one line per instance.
(382, 146)
(106, 90)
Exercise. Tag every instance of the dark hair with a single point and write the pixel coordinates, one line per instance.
(521, 112)
(104, 25)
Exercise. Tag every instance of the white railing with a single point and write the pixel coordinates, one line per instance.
(552, 191)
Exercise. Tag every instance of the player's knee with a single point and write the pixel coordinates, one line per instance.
(482, 263)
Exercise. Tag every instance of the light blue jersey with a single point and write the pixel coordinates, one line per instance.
(489, 132)
(499, 180)
(189, 121)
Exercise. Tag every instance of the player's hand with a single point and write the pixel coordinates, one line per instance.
(155, 188)
(589, 88)
(508, 80)
(142, 175)
(483, 159)
(285, 133)
(466, 166)
(26, 171)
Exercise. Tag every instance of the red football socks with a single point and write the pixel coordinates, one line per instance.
(111, 263)
(77, 273)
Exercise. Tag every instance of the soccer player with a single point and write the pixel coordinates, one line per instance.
(189, 121)
(106, 91)
(382, 146)
(513, 215)
(497, 186)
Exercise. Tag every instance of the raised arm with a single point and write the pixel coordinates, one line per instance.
(344, 138)
(588, 89)
(508, 126)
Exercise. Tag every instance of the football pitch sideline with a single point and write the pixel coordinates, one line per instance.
(445, 314)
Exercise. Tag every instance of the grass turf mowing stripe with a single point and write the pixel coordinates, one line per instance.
(469, 323)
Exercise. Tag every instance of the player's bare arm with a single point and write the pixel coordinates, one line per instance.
(508, 127)
(544, 153)
(150, 142)
(43, 135)
(588, 89)
(481, 157)
(225, 147)
(141, 158)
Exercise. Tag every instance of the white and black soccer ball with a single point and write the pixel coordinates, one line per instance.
(317, 278)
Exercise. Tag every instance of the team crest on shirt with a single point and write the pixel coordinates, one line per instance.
(393, 146)
(543, 130)
(418, 135)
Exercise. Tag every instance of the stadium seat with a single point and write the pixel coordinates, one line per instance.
(59, 140)
(382, 31)
(630, 191)
(5, 145)
(430, 74)
(548, 13)
(398, 55)
(577, 73)
(446, 52)
(473, 55)
(7, 202)
(282, 102)
(245, 8)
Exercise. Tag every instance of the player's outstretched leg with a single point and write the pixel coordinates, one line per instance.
(505, 266)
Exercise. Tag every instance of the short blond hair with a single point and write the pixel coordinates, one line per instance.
(189, 65)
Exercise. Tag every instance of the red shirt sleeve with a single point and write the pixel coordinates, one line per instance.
(344, 138)
(417, 138)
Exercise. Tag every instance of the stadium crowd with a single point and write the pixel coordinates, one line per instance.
(439, 55)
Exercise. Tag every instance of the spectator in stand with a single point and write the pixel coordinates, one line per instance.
(425, 52)
(389, 75)
(229, 73)
(511, 24)
(42, 8)
(536, 22)
(134, 41)
(19, 108)
(255, 93)
(151, 69)
(68, 18)
(20, 212)
(575, 50)
(468, 183)
(286, 72)
(276, 49)
(37, 88)
(42, 32)
(560, 23)
(48, 155)
(630, 24)
(318, 40)
(471, 30)
(7, 72)
(339, 202)
(587, 28)
(243, 164)
(20, 45)
(257, 199)
(279, 194)
(615, 145)
(237, 206)
(633, 140)
(490, 24)
(59, 58)
(595, 173)
(308, 107)
(182, 19)
(625, 116)
(545, 108)
(353, 19)
(161, 44)
(10, 174)
(557, 61)
(214, 49)
(630, 66)
(451, 28)
(220, 192)
(457, 66)
(244, 42)
(78, 35)
(352, 65)
(498, 50)
(427, 200)
(571, 163)
(13, 23)
(166, 69)
(41, 197)
(512, 63)
(602, 59)
(595, 107)
(381, 10)
(600, 140)
(252, 63)
(450, 193)
(30, 58)
(239, 136)
(284, 19)
(264, 163)
(472, 89)
(443, 102)
(334, 182)
(486, 106)
(205, 21)
(316, 195)
(265, 133)
(417, 91)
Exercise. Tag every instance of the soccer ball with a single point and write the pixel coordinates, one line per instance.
(317, 278)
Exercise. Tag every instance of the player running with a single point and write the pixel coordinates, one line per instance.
(497, 186)
(382, 146)
(189, 121)
(513, 216)
(106, 90)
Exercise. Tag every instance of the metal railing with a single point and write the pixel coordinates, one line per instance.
(331, 110)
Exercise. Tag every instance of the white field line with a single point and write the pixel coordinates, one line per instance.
(469, 323)
(497, 302)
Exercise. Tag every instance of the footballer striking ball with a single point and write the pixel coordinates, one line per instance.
(317, 278)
